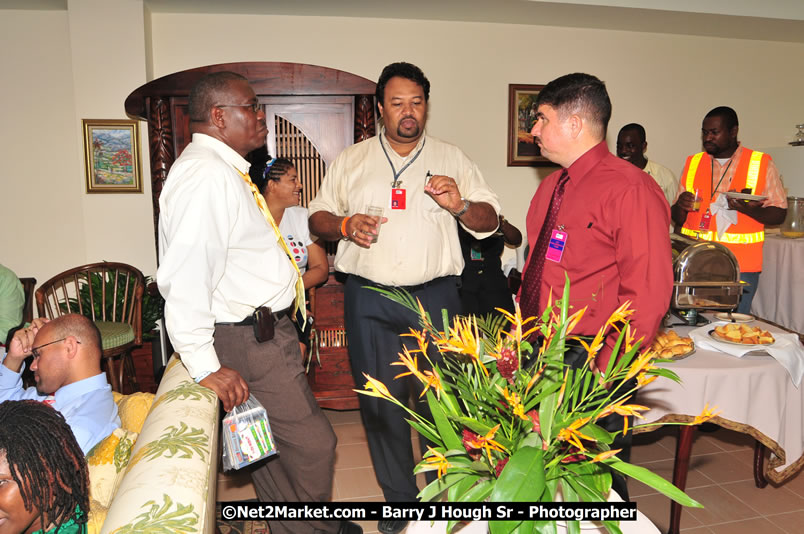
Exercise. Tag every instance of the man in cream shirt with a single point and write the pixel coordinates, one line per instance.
(219, 260)
(426, 188)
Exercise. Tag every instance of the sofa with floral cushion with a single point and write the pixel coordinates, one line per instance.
(158, 472)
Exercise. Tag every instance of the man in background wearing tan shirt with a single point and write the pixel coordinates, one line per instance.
(426, 187)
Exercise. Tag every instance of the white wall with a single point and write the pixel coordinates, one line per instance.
(59, 67)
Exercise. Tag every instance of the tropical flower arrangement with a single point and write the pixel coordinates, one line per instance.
(511, 422)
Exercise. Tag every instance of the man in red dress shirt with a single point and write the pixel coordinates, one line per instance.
(612, 223)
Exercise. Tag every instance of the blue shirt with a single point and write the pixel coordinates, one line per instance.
(87, 405)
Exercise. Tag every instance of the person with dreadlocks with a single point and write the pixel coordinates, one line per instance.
(44, 481)
(66, 365)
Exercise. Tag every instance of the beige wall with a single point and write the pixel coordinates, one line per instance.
(92, 56)
(666, 82)
(60, 67)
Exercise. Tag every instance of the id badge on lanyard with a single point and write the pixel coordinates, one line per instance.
(706, 219)
(555, 249)
(398, 198)
(399, 195)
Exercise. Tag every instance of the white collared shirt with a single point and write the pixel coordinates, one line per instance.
(219, 258)
(419, 243)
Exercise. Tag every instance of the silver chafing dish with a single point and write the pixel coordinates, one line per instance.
(706, 277)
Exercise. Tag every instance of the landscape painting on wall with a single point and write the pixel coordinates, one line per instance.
(522, 149)
(112, 156)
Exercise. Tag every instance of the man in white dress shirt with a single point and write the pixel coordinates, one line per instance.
(219, 261)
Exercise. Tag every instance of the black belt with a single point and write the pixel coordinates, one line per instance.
(249, 321)
(409, 289)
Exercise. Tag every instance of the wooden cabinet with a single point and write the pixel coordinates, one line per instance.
(332, 381)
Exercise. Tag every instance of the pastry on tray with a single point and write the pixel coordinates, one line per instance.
(672, 346)
(743, 334)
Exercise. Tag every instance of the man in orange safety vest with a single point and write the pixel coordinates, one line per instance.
(738, 223)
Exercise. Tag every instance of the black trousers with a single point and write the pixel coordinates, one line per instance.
(373, 326)
(576, 358)
(303, 468)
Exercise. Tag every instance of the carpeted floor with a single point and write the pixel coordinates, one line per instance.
(240, 527)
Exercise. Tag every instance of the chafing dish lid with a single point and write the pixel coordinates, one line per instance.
(706, 262)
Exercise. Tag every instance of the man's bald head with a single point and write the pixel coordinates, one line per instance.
(78, 326)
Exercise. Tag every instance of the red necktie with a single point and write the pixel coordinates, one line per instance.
(532, 278)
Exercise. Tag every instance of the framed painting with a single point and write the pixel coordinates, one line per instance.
(522, 150)
(112, 156)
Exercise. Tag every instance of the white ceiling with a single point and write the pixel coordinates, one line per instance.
(772, 20)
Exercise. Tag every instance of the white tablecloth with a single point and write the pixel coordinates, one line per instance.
(754, 394)
(780, 294)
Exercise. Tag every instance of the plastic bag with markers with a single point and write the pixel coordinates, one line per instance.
(246, 435)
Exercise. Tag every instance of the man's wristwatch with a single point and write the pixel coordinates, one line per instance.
(463, 210)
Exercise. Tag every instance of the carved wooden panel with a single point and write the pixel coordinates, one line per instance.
(365, 121)
(160, 146)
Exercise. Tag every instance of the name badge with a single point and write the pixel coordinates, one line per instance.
(705, 220)
(558, 240)
(398, 198)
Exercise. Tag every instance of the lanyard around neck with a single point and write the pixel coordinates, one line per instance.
(712, 177)
(397, 182)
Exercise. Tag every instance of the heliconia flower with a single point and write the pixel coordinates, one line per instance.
(643, 379)
(575, 318)
(375, 388)
(484, 442)
(435, 458)
(641, 363)
(518, 323)
(432, 380)
(514, 402)
(411, 362)
(705, 415)
(605, 455)
(420, 340)
(620, 314)
(500, 466)
(572, 435)
(625, 410)
(629, 338)
(462, 338)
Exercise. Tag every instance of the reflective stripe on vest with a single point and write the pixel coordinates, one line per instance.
(750, 180)
(734, 239)
(696, 159)
(753, 170)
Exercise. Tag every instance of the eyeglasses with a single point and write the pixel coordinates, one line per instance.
(255, 106)
(36, 352)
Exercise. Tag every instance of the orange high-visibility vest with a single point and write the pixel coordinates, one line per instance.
(745, 238)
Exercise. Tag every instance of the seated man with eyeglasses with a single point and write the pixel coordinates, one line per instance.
(66, 364)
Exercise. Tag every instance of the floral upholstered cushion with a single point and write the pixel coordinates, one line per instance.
(107, 462)
(170, 480)
(133, 409)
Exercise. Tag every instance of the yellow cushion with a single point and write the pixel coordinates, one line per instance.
(133, 409)
(97, 515)
(107, 463)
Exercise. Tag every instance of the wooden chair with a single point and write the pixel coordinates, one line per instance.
(28, 285)
(111, 295)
